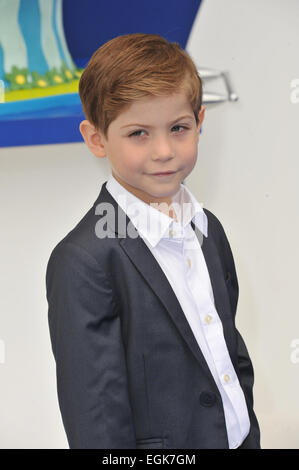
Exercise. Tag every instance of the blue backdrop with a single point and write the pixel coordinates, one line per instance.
(89, 24)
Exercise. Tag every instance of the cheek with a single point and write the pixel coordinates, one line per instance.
(189, 150)
(131, 159)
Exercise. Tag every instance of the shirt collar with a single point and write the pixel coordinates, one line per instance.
(150, 222)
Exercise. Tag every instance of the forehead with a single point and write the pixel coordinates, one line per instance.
(157, 108)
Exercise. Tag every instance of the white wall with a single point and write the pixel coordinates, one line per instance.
(44, 192)
(247, 174)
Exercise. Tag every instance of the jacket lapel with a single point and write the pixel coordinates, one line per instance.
(150, 270)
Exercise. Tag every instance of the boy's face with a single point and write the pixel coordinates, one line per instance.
(156, 134)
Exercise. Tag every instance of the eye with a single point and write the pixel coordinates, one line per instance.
(136, 133)
(183, 127)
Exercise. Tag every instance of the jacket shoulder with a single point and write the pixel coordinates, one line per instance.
(214, 225)
(83, 237)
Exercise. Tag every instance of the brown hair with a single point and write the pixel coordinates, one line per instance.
(130, 67)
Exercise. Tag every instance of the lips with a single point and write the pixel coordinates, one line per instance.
(164, 173)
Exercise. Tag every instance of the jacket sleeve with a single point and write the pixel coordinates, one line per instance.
(246, 372)
(86, 340)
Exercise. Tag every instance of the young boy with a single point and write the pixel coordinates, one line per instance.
(143, 292)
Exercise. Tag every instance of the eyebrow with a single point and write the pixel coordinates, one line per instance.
(188, 116)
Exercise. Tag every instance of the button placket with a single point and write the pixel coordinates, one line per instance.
(229, 378)
(175, 231)
(188, 259)
(208, 319)
(226, 378)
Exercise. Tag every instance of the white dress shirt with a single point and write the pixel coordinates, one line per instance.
(178, 251)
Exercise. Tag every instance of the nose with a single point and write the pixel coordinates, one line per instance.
(162, 149)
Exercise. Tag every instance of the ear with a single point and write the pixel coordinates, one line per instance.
(201, 116)
(94, 140)
(202, 113)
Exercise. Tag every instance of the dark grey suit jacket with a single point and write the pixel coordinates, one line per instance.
(130, 373)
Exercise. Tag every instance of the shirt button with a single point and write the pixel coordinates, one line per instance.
(208, 319)
(189, 262)
(226, 378)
